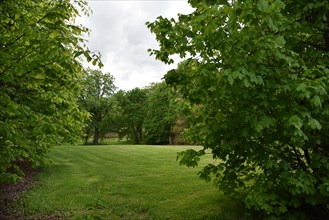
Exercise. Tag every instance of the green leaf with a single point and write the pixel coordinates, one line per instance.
(316, 101)
(53, 35)
(39, 76)
(314, 124)
(280, 40)
(230, 79)
(263, 5)
(189, 157)
(295, 121)
(278, 5)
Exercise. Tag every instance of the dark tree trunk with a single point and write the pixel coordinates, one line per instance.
(170, 140)
(87, 135)
(136, 135)
(140, 134)
(86, 138)
(96, 135)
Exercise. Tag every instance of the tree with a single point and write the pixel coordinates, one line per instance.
(96, 99)
(256, 73)
(112, 122)
(160, 114)
(40, 69)
(132, 104)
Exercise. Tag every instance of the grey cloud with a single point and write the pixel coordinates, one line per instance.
(120, 34)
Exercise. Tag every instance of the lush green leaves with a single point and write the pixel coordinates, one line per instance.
(160, 114)
(132, 104)
(256, 80)
(98, 89)
(40, 71)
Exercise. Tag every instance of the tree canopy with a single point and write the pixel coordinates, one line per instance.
(256, 76)
(41, 49)
(98, 89)
(160, 114)
(132, 104)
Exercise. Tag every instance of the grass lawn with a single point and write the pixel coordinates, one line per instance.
(124, 182)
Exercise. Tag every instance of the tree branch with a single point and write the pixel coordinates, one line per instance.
(25, 54)
(326, 49)
(307, 156)
(300, 162)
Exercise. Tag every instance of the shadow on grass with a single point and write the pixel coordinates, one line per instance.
(229, 209)
(108, 141)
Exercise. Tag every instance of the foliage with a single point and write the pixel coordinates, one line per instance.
(150, 115)
(112, 122)
(40, 67)
(132, 104)
(256, 76)
(160, 114)
(98, 89)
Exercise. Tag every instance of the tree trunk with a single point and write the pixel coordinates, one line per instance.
(135, 135)
(96, 134)
(86, 138)
(87, 135)
(140, 132)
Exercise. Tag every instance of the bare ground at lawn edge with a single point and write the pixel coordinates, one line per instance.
(9, 193)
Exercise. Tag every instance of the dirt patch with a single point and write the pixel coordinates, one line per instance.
(10, 192)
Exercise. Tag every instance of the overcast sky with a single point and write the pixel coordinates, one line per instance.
(119, 33)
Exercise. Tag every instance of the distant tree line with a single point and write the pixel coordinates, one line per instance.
(149, 115)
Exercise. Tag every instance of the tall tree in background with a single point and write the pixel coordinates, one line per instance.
(160, 114)
(132, 104)
(40, 71)
(259, 82)
(98, 89)
(183, 80)
(112, 122)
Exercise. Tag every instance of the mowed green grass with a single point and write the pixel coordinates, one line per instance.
(124, 182)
